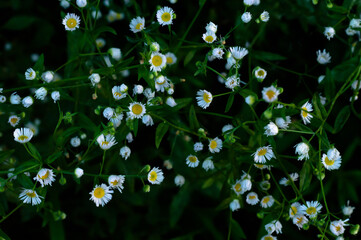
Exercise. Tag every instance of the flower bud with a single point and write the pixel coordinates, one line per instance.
(62, 180)
(354, 230)
(146, 188)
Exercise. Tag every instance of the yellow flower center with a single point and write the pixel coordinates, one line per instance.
(30, 74)
(192, 159)
(338, 228)
(262, 152)
(137, 109)
(105, 143)
(71, 23)
(162, 82)
(268, 238)
(252, 197)
(299, 220)
(266, 200)
(153, 176)
(209, 39)
(270, 94)
(169, 60)
(260, 73)
(99, 192)
(139, 26)
(166, 17)
(304, 114)
(207, 98)
(293, 210)
(311, 210)
(117, 94)
(157, 60)
(238, 187)
(45, 176)
(213, 144)
(22, 138)
(31, 194)
(329, 162)
(114, 183)
(14, 120)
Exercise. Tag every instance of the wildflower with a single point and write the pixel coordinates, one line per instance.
(55, 96)
(119, 92)
(237, 187)
(271, 129)
(238, 53)
(147, 120)
(125, 152)
(165, 16)
(260, 74)
(217, 53)
(115, 53)
(347, 210)
(204, 98)
(192, 161)
(148, 93)
(270, 94)
(264, 17)
(332, 160)
(320, 78)
(157, 61)
(100, 42)
(108, 113)
(41, 93)
(350, 32)
(2, 98)
(30, 196)
(14, 120)
(47, 76)
(71, 22)
(300, 220)
(262, 166)
(311, 209)
(329, 32)
(215, 145)
(45, 177)
(227, 128)
(267, 201)
(94, 78)
(355, 23)
(81, 3)
(75, 141)
(33, 127)
(232, 82)
(15, 98)
(116, 182)
(170, 102)
(30, 74)
(323, 57)
(137, 24)
(338, 227)
(64, 4)
(294, 209)
(285, 181)
(209, 37)
(116, 119)
(101, 194)
(138, 89)
(179, 180)
(231, 62)
(283, 122)
(155, 176)
(302, 150)
(263, 154)
(168, 164)
(250, 100)
(208, 164)
(306, 116)
(274, 226)
(252, 198)
(171, 58)
(112, 16)
(106, 142)
(23, 135)
(248, 3)
(268, 237)
(356, 85)
(246, 17)
(161, 83)
(235, 205)
(129, 137)
(198, 146)
(78, 172)
(136, 110)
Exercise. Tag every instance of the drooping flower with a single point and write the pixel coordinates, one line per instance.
(323, 57)
(116, 182)
(106, 142)
(23, 135)
(30, 196)
(45, 177)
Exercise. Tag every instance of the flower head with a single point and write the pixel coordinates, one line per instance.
(311, 209)
(267, 201)
(30, 74)
(208, 164)
(71, 22)
(192, 161)
(45, 177)
(264, 16)
(338, 227)
(270, 94)
(155, 176)
(238, 53)
(55, 96)
(271, 129)
(306, 116)
(204, 98)
(136, 110)
(137, 24)
(161, 83)
(283, 122)
(331, 160)
(246, 17)
(209, 37)
(232, 82)
(252, 198)
(165, 16)
(125, 152)
(106, 142)
(157, 61)
(30, 196)
(323, 57)
(147, 120)
(263, 154)
(116, 182)
(179, 180)
(294, 209)
(299, 221)
(101, 194)
(347, 210)
(329, 32)
(215, 145)
(302, 150)
(285, 181)
(78, 172)
(235, 205)
(171, 58)
(94, 78)
(41, 93)
(75, 141)
(119, 92)
(47, 76)
(23, 135)
(14, 120)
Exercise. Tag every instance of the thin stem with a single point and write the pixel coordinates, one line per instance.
(217, 72)
(222, 94)
(230, 226)
(101, 167)
(14, 210)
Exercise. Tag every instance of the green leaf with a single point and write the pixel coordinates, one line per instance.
(24, 181)
(160, 132)
(202, 2)
(19, 22)
(267, 56)
(4, 155)
(341, 119)
(53, 157)
(102, 29)
(193, 121)
(319, 108)
(305, 176)
(181, 103)
(135, 127)
(143, 72)
(56, 230)
(189, 57)
(329, 83)
(237, 231)
(4, 236)
(34, 151)
(39, 65)
(179, 203)
(229, 102)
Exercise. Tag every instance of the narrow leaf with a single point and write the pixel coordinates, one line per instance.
(160, 132)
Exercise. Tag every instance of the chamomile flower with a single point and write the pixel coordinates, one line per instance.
(215, 145)
(155, 176)
(268, 237)
(302, 150)
(267, 201)
(45, 177)
(81, 3)
(274, 226)
(246, 17)
(329, 32)
(323, 57)
(237, 187)
(41, 93)
(71, 22)
(347, 210)
(198, 146)
(75, 142)
(30, 74)
(116, 119)
(94, 78)
(270, 94)
(260, 74)
(271, 129)
(138, 89)
(192, 161)
(161, 83)
(179, 180)
(232, 82)
(338, 227)
(294, 209)
(209, 37)
(27, 101)
(263, 154)
(30, 196)
(299, 221)
(311, 209)
(137, 24)
(55, 96)
(286, 182)
(217, 53)
(47, 76)
(171, 58)
(108, 113)
(106, 142)
(264, 17)
(283, 122)
(204, 98)
(101, 194)
(15, 98)
(23, 135)
(116, 182)
(147, 120)
(125, 152)
(165, 16)
(136, 110)
(119, 92)
(14, 120)
(306, 116)
(238, 53)
(211, 27)
(170, 102)
(157, 61)
(331, 160)
(252, 198)
(78, 172)
(235, 205)
(208, 164)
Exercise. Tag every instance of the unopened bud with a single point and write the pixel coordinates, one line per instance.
(146, 188)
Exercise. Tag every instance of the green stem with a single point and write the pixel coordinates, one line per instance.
(222, 94)
(215, 114)
(230, 226)
(224, 78)
(101, 167)
(14, 210)
(295, 131)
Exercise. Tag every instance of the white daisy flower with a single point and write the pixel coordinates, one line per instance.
(215, 145)
(294, 209)
(147, 120)
(14, 120)
(338, 227)
(283, 122)
(165, 16)
(23, 135)
(94, 78)
(347, 210)
(192, 161)
(116, 182)
(211, 27)
(263, 154)
(356, 85)
(119, 92)
(208, 164)
(75, 142)
(155, 176)
(232, 82)
(116, 53)
(267, 201)
(306, 116)
(101, 194)
(116, 119)
(179, 180)
(170, 102)
(204, 98)
(45, 177)
(55, 96)
(47, 76)
(138, 89)
(41, 93)
(331, 160)
(323, 57)
(248, 3)
(125, 152)
(235, 205)
(260, 74)
(238, 53)
(78, 172)
(299, 221)
(137, 24)
(268, 237)
(15, 98)
(108, 113)
(217, 53)
(81, 3)
(198, 146)
(311, 209)
(136, 110)
(231, 62)
(161, 83)
(246, 17)
(30, 196)
(30, 74)
(209, 37)
(271, 129)
(71, 22)
(270, 94)
(171, 58)
(157, 61)
(286, 182)
(274, 226)
(264, 17)
(355, 23)
(252, 198)
(106, 142)
(329, 32)
(237, 187)
(302, 150)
